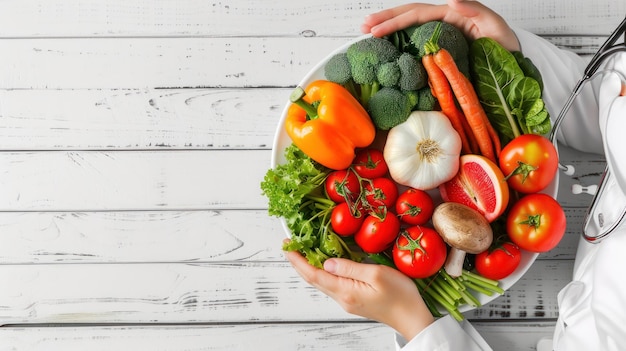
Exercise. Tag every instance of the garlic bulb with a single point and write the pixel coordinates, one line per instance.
(423, 152)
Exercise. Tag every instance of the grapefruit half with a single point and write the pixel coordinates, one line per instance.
(479, 184)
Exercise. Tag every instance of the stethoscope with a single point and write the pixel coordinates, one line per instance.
(597, 224)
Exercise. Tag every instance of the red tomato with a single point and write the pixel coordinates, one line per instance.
(498, 263)
(414, 206)
(536, 223)
(381, 192)
(370, 163)
(419, 252)
(344, 220)
(377, 234)
(530, 162)
(342, 184)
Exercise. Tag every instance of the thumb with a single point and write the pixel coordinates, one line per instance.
(467, 8)
(346, 268)
(485, 23)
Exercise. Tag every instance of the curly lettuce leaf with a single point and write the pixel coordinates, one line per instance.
(295, 191)
(286, 185)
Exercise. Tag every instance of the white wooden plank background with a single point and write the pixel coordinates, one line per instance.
(133, 138)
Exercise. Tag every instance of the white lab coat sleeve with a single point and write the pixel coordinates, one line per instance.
(608, 303)
(560, 70)
(445, 334)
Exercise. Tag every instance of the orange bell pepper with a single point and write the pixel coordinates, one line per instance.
(327, 123)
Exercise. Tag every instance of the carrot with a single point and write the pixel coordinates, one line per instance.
(495, 138)
(441, 90)
(469, 102)
(470, 133)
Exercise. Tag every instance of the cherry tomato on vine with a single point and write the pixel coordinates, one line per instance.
(342, 184)
(377, 233)
(529, 162)
(370, 163)
(344, 220)
(536, 223)
(419, 252)
(499, 262)
(414, 206)
(381, 192)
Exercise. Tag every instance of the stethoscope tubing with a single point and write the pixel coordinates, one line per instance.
(608, 48)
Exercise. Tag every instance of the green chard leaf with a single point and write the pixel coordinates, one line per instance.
(529, 68)
(543, 128)
(525, 99)
(510, 94)
(537, 114)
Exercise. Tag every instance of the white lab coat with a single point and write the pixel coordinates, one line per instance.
(592, 308)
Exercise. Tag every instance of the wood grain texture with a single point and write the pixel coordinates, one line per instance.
(328, 336)
(140, 236)
(140, 119)
(173, 18)
(359, 336)
(93, 63)
(223, 292)
(81, 63)
(150, 119)
(102, 180)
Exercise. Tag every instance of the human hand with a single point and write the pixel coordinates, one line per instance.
(472, 17)
(372, 291)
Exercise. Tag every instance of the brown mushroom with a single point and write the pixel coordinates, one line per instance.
(464, 229)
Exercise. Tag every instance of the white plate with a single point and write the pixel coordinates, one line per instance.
(282, 141)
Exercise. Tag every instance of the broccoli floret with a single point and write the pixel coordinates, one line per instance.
(451, 39)
(388, 74)
(412, 73)
(413, 96)
(390, 107)
(365, 56)
(337, 69)
(426, 100)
